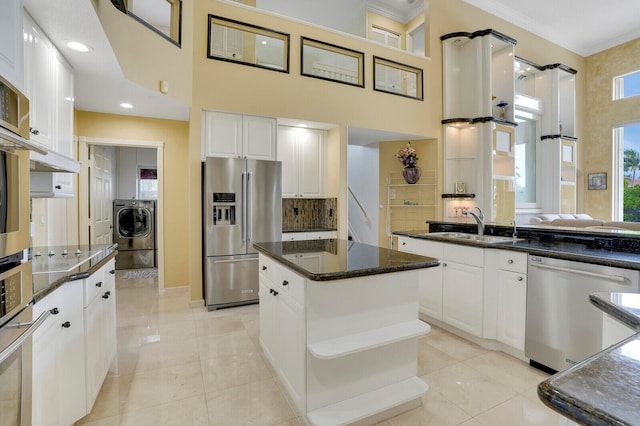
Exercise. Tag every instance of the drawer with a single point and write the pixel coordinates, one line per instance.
(94, 285)
(513, 261)
(282, 278)
(267, 268)
(109, 272)
(322, 235)
(473, 256)
(294, 236)
(54, 303)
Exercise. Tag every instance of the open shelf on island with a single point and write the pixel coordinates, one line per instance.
(358, 342)
(370, 403)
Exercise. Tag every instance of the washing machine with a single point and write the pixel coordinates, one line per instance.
(134, 232)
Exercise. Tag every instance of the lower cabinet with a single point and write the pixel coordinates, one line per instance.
(73, 349)
(299, 236)
(58, 388)
(462, 293)
(100, 325)
(512, 308)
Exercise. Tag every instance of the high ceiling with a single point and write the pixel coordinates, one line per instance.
(583, 26)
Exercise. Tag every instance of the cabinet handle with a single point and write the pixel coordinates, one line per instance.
(444, 265)
(112, 272)
(66, 324)
(519, 278)
(58, 187)
(510, 261)
(106, 295)
(264, 268)
(99, 284)
(34, 131)
(275, 293)
(54, 311)
(404, 243)
(285, 282)
(271, 290)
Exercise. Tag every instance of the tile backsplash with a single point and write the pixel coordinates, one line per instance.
(309, 213)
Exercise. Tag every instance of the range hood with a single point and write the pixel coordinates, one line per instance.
(51, 161)
(42, 159)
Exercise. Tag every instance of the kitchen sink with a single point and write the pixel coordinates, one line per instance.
(462, 236)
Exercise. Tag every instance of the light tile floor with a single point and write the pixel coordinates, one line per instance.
(182, 366)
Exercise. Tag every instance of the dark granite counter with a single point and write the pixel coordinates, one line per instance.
(66, 263)
(605, 388)
(341, 259)
(616, 249)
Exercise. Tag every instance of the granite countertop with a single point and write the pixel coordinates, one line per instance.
(341, 259)
(284, 230)
(596, 249)
(67, 263)
(605, 388)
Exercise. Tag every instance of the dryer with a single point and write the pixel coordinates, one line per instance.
(135, 233)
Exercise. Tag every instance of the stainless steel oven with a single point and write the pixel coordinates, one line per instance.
(16, 329)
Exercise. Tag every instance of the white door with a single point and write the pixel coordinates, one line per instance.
(101, 160)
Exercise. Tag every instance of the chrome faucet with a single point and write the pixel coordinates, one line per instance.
(478, 217)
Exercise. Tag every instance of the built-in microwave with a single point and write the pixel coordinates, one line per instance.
(14, 109)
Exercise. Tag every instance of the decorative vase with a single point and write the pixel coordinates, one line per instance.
(411, 174)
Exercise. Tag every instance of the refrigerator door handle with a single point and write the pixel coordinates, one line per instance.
(244, 210)
(249, 208)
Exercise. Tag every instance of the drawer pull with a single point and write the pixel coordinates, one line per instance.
(106, 295)
(99, 284)
(285, 282)
(54, 311)
(510, 261)
(404, 244)
(264, 268)
(66, 324)
(112, 272)
(519, 278)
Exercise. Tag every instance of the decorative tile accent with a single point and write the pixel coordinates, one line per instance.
(309, 214)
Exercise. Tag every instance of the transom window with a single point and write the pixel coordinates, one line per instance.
(626, 85)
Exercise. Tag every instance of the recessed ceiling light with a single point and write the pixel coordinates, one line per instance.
(78, 47)
(264, 42)
(126, 105)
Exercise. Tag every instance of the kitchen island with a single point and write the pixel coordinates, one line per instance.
(339, 324)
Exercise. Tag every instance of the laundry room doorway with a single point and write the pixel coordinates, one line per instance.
(97, 192)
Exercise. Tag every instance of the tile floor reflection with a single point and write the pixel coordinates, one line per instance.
(181, 366)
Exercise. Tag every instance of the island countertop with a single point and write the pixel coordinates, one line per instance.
(605, 388)
(341, 259)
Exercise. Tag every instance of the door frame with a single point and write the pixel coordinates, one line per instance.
(84, 196)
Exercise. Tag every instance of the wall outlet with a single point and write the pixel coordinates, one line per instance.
(295, 211)
(330, 212)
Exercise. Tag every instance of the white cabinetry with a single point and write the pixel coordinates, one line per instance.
(235, 135)
(430, 278)
(11, 47)
(302, 154)
(100, 326)
(462, 290)
(282, 326)
(512, 298)
(39, 82)
(59, 358)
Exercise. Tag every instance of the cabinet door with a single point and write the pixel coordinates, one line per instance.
(94, 347)
(73, 385)
(462, 290)
(259, 138)
(512, 305)
(288, 155)
(292, 348)
(222, 135)
(63, 108)
(38, 67)
(268, 327)
(11, 44)
(310, 153)
(47, 373)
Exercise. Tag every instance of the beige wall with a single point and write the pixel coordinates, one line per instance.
(219, 85)
(175, 136)
(603, 115)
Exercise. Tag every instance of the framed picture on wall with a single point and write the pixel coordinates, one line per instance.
(597, 181)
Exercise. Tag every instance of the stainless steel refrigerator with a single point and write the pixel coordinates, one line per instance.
(242, 204)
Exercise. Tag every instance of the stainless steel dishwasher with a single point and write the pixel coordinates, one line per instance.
(562, 326)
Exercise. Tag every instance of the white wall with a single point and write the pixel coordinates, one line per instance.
(363, 171)
(127, 162)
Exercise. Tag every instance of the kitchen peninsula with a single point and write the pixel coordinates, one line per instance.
(339, 323)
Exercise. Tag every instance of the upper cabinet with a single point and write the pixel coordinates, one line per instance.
(235, 135)
(302, 153)
(11, 49)
(479, 136)
(39, 82)
(478, 78)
